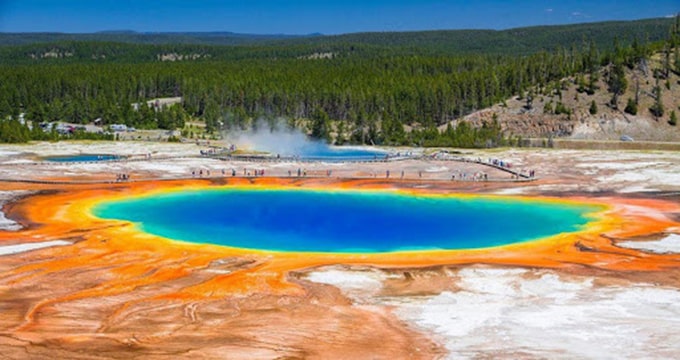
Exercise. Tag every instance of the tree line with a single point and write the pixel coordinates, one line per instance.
(360, 92)
(365, 99)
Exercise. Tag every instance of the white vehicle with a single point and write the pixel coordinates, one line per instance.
(119, 127)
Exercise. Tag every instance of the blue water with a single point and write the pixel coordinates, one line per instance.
(338, 154)
(323, 152)
(365, 222)
(83, 158)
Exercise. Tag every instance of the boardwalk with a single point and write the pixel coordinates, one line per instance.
(405, 168)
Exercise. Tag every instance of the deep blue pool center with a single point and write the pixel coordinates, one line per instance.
(344, 221)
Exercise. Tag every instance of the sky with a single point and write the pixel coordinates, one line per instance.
(313, 16)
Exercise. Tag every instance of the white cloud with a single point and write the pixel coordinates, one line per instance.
(578, 14)
(548, 10)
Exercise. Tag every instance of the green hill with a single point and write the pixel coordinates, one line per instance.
(132, 37)
(444, 42)
(514, 41)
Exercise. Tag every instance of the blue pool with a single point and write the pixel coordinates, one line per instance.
(344, 221)
(327, 153)
(83, 158)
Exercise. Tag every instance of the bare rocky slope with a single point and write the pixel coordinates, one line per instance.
(608, 123)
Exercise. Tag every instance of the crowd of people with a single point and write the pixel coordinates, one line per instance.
(456, 175)
(122, 177)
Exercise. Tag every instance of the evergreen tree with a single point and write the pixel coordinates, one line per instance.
(392, 131)
(340, 138)
(593, 108)
(12, 131)
(631, 107)
(548, 108)
(373, 136)
(617, 83)
(592, 83)
(673, 121)
(529, 100)
(320, 125)
(657, 109)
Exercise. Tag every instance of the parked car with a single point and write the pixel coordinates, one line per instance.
(119, 127)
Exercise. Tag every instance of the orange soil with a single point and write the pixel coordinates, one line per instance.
(170, 272)
(66, 215)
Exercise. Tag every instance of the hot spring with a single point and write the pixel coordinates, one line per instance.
(278, 139)
(83, 158)
(318, 151)
(334, 153)
(344, 221)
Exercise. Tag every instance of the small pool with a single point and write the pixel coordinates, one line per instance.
(343, 154)
(318, 151)
(345, 221)
(83, 158)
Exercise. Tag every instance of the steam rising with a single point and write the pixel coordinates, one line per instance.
(276, 138)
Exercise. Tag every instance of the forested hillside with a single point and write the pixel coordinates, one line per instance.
(131, 37)
(361, 93)
(520, 41)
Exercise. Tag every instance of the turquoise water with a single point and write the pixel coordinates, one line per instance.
(328, 153)
(339, 221)
(83, 158)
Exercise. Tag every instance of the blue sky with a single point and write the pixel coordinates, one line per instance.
(310, 16)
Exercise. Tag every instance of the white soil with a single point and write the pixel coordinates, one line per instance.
(6, 196)
(521, 313)
(19, 248)
(669, 244)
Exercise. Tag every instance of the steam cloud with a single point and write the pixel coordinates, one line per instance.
(276, 138)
